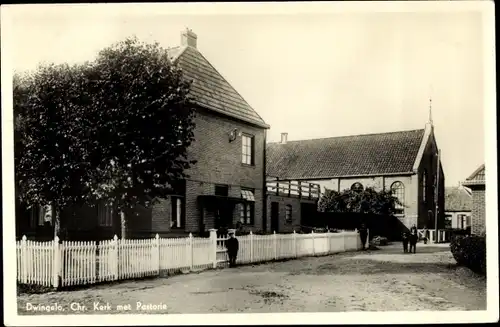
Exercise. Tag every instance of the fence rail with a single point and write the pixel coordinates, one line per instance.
(69, 263)
(294, 188)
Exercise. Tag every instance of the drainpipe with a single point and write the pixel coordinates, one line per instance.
(264, 186)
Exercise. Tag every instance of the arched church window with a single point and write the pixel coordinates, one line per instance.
(398, 190)
(357, 186)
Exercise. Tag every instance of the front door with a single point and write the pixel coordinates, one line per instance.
(223, 216)
(275, 217)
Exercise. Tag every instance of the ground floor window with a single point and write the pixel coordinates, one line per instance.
(447, 221)
(105, 215)
(247, 209)
(176, 218)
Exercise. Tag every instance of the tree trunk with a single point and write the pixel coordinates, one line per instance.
(123, 224)
(57, 221)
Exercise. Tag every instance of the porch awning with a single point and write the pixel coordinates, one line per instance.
(247, 195)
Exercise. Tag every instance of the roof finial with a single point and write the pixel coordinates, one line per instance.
(430, 108)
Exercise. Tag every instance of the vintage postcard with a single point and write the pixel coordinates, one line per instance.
(249, 163)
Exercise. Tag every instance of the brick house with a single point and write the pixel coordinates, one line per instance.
(477, 183)
(405, 161)
(457, 207)
(225, 186)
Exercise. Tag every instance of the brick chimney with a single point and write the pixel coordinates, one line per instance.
(188, 38)
(284, 138)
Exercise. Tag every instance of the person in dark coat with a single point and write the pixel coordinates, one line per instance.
(413, 239)
(232, 246)
(363, 234)
(405, 242)
(425, 232)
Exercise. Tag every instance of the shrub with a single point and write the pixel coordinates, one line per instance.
(470, 251)
(379, 240)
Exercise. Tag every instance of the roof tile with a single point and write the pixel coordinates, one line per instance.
(369, 154)
(457, 199)
(210, 89)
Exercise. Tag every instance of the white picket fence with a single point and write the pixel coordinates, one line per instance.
(70, 263)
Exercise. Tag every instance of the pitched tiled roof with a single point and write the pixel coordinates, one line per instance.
(371, 154)
(209, 89)
(477, 177)
(457, 199)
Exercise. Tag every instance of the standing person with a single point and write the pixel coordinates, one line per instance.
(413, 239)
(405, 242)
(363, 234)
(232, 246)
(425, 234)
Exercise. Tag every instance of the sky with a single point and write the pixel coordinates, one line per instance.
(310, 73)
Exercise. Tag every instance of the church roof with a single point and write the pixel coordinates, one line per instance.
(357, 155)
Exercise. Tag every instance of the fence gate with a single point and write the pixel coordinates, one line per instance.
(221, 252)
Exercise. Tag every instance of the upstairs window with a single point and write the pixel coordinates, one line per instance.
(398, 190)
(221, 190)
(247, 150)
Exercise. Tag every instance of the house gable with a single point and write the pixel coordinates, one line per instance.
(210, 89)
(457, 199)
(477, 178)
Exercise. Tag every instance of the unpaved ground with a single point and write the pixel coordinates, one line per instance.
(382, 280)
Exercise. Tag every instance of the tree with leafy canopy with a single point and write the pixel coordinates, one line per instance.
(51, 165)
(145, 124)
(123, 140)
(360, 201)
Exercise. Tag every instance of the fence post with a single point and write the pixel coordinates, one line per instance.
(24, 261)
(114, 256)
(190, 250)
(343, 240)
(157, 254)
(56, 263)
(275, 245)
(295, 243)
(314, 250)
(213, 243)
(367, 238)
(251, 247)
(329, 240)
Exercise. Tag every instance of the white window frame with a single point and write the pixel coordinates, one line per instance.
(176, 222)
(398, 190)
(247, 151)
(360, 187)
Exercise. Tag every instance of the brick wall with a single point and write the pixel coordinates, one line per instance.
(283, 201)
(478, 211)
(161, 215)
(219, 162)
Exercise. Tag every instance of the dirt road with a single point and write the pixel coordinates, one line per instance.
(382, 280)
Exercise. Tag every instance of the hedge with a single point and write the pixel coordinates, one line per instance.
(470, 251)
